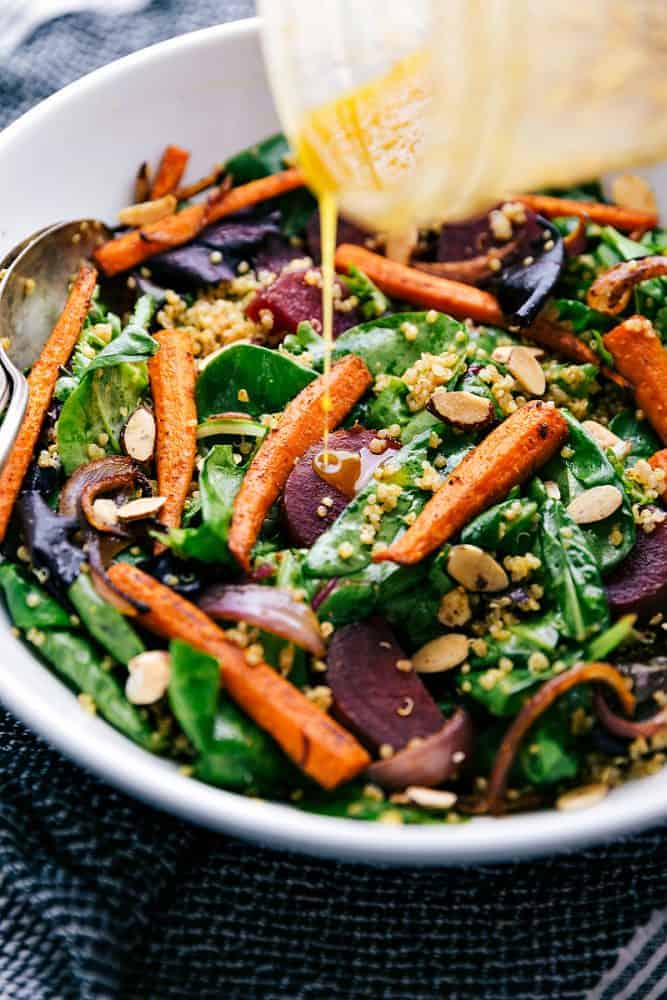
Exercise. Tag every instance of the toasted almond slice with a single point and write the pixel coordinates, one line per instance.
(138, 436)
(552, 489)
(606, 438)
(148, 678)
(148, 211)
(632, 191)
(443, 653)
(582, 797)
(526, 369)
(502, 354)
(462, 409)
(430, 798)
(135, 510)
(476, 569)
(595, 504)
(106, 512)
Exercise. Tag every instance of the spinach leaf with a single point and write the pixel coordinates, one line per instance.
(233, 751)
(537, 634)
(296, 208)
(639, 433)
(575, 381)
(509, 526)
(269, 378)
(76, 659)
(389, 406)
(29, 605)
(99, 407)
(103, 621)
(372, 301)
(549, 754)
(587, 323)
(500, 693)
(219, 482)
(350, 802)
(571, 573)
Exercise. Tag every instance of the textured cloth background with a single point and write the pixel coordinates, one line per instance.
(103, 898)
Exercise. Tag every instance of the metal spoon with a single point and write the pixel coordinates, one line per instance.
(34, 280)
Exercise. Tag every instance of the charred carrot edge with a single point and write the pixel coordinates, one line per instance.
(203, 184)
(507, 456)
(142, 184)
(313, 740)
(131, 249)
(41, 383)
(172, 377)
(625, 219)
(170, 172)
(639, 356)
(420, 288)
(610, 293)
(583, 673)
(555, 337)
(301, 426)
(659, 461)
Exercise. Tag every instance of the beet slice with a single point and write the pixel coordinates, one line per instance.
(347, 232)
(292, 300)
(639, 585)
(305, 490)
(369, 691)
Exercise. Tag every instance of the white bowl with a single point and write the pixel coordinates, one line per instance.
(74, 156)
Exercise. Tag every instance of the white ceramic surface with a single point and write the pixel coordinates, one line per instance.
(74, 156)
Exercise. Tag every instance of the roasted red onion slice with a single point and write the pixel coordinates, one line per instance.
(103, 585)
(113, 474)
(269, 608)
(628, 729)
(431, 762)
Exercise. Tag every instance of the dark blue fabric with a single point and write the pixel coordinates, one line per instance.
(101, 897)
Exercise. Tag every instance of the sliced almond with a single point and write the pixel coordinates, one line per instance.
(552, 489)
(105, 512)
(149, 675)
(135, 510)
(443, 653)
(475, 569)
(430, 798)
(632, 191)
(138, 435)
(595, 504)
(582, 797)
(502, 354)
(606, 438)
(526, 369)
(462, 409)
(148, 211)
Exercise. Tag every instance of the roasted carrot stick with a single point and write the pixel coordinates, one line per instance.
(420, 288)
(625, 219)
(170, 172)
(41, 383)
(659, 461)
(131, 249)
(172, 377)
(301, 426)
(507, 456)
(610, 293)
(557, 338)
(639, 356)
(583, 673)
(314, 741)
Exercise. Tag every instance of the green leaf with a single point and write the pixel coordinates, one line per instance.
(29, 605)
(219, 482)
(242, 756)
(639, 433)
(270, 379)
(571, 573)
(266, 157)
(194, 686)
(509, 527)
(103, 621)
(99, 405)
(601, 647)
(372, 302)
(547, 754)
(77, 660)
(501, 694)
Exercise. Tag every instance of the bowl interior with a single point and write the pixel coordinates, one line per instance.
(74, 156)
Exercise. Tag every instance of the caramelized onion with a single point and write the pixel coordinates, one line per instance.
(269, 608)
(628, 729)
(610, 293)
(116, 473)
(104, 586)
(432, 761)
(582, 673)
(576, 241)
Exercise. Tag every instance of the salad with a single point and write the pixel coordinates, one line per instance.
(453, 605)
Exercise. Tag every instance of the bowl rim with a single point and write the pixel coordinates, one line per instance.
(157, 782)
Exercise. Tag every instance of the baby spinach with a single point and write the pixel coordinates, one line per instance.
(587, 323)
(509, 526)
(571, 573)
(549, 752)
(103, 621)
(29, 605)
(639, 433)
(270, 380)
(219, 482)
(233, 751)
(372, 302)
(97, 410)
(501, 694)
